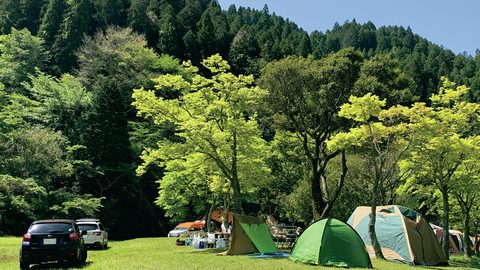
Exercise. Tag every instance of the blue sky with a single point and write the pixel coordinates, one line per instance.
(453, 24)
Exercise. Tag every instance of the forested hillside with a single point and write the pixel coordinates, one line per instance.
(71, 140)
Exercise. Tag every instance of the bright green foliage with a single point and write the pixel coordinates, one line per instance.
(77, 206)
(20, 54)
(62, 104)
(380, 143)
(20, 200)
(444, 135)
(216, 119)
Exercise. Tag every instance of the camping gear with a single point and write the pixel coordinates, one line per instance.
(250, 235)
(283, 235)
(221, 243)
(330, 242)
(402, 234)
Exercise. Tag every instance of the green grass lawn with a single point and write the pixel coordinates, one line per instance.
(162, 253)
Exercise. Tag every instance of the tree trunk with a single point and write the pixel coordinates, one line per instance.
(371, 224)
(341, 181)
(209, 217)
(316, 200)
(237, 195)
(237, 199)
(466, 234)
(445, 224)
(226, 208)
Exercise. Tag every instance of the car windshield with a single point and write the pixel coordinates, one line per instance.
(180, 229)
(88, 227)
(51, 228)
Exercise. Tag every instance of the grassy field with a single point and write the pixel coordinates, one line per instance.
(161, 253)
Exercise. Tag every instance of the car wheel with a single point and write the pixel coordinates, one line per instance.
(24, 265)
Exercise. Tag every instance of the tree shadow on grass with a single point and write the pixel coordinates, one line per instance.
(208, 250)
(464, 262)
(57, 265)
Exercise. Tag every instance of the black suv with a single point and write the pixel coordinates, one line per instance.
(53, 240)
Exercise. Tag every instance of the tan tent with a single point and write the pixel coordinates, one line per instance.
(250, 235)
(452, 246)
(402, 233)
(459, 241)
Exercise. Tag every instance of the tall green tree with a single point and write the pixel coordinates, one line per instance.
(306, 96)
(76, 23)
(109, 12)
(443, 132)
(216, 119)
(167, 31)
(467, 183)
(137, 15)
(51, 21)
(379, 142)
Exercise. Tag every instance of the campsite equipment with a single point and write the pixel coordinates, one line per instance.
(250, 235)
(221, 243)
(402, 234)
(331, 242)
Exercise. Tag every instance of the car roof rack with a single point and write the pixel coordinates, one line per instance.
(88, 220)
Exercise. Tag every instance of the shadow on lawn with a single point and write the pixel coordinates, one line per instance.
(208, 250)
(464, 262)
(58, 266)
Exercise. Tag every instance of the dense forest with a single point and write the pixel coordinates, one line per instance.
(74, 142)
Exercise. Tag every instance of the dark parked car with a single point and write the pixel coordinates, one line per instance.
(53, 240)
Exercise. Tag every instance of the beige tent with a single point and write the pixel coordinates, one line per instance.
(452, 246)
(402, 233)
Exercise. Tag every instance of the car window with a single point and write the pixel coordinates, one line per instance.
(88, 227)
(50, 228)
(101, 227)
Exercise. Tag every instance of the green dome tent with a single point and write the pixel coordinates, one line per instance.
(330, 242)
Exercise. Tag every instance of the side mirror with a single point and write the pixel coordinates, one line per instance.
(84, 232)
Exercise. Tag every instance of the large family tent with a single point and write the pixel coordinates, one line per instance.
(402, 233)
(250, 235)
(330, 242)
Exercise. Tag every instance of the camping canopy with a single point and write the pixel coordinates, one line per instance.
(250, 235)
(331, 242)
(402, 234)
